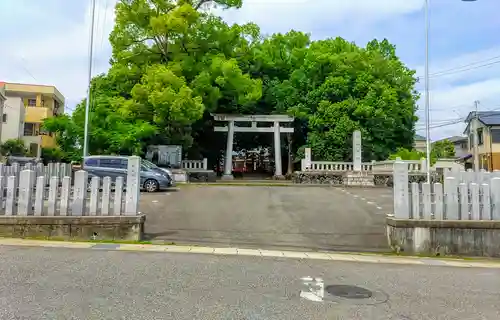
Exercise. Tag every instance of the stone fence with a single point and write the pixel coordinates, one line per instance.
(374, 166)
(195, 164)
(459, 217)
(59, 170)
(67, 210)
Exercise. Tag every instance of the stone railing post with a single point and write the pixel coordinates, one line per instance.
(423, 165)
(307, 159)
(79, 204)
(205, 164)
(400, 178)
(133, 186)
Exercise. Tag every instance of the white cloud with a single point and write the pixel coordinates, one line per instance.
(61, 57)
(458, 82)
(309, 15)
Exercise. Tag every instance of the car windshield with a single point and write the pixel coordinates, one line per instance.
(148, 164)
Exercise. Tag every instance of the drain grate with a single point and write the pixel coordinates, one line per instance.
(349, 292)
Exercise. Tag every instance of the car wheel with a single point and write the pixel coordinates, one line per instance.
(151, 185)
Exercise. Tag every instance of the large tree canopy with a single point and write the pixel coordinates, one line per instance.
(174, 63)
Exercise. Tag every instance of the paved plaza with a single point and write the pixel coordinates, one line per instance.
(289, 218)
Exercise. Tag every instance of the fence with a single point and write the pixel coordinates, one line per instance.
(464, 196)
(387, 166)
(332, 166)
(59, 170)
(195, 164)
(26, 193)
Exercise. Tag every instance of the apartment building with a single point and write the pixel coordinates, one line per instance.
(488, 131)
(2, 102)
(25, 108)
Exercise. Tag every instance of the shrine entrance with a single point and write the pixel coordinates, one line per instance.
(246, 160)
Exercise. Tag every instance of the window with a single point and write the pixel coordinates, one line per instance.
(4, 118)
(495, 135)
(30, 129)
(113, 163)
(91, 163)
(31, 102)
(480, 136)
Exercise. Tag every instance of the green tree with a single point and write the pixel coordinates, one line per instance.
(174, 63)
(443, 149)
(406, 154)
(342, 87)
(13, 147)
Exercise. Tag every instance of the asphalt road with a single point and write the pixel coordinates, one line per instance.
(292, 218)
(55, 283)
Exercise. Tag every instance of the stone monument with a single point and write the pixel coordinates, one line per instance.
(356, 151)
(358, 177)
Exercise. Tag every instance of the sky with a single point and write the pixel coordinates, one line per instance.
(46, 42)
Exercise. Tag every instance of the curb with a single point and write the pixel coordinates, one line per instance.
(345, 257)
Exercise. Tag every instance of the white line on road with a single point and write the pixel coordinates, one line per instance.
(315, 289)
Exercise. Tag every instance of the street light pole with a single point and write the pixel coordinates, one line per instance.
(87, 102)
(427, 98)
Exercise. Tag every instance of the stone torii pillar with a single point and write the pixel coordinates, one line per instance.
(278, 171)
(228, 163)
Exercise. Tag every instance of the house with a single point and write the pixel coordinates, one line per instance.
(488, 131)
(419, 143)
(26, 106)
(2, 102)
(461, 145)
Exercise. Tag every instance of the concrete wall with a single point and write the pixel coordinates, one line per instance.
(445, 237)
(129, 228)
(420, 145)
(13, 128)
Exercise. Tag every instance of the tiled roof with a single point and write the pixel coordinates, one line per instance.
(489, 118)
(419, 138)
(455, 139)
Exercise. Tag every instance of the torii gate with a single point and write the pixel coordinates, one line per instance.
(231, 129)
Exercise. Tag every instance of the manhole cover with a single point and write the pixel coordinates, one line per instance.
(349, 292)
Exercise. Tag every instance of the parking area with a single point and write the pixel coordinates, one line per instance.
(293, 218)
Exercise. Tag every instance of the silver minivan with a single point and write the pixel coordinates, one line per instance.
(153, 178)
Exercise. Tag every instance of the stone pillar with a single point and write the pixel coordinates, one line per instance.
(278, 171)
(307, 158)
(228, 165)
(133, 186)
(401, 199)
(356, 150)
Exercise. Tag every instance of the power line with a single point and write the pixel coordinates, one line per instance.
(457, 121)
(466, 67)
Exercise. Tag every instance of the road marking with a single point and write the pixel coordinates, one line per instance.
(315, 289)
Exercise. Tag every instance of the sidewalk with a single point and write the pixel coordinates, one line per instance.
(328, 256)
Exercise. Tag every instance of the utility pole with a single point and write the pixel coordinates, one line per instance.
(427, 98)
(475, 128)
(87, 102)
